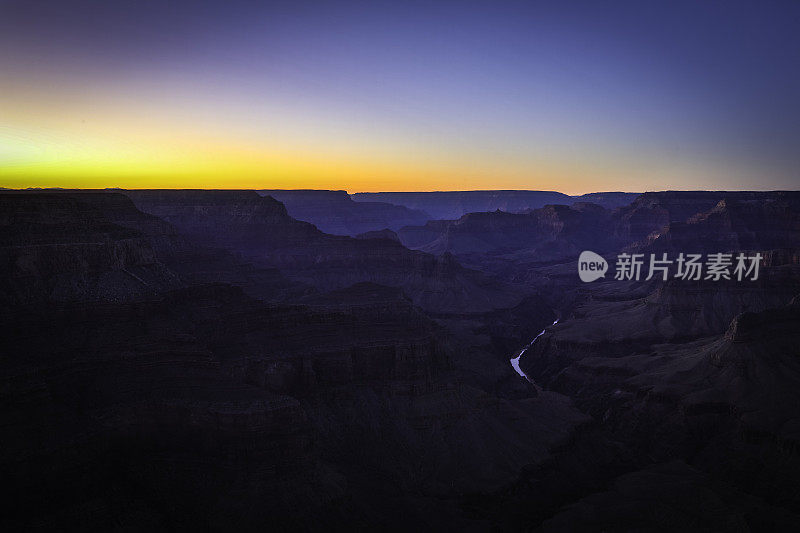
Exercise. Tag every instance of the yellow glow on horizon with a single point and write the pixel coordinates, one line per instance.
(79, 140)
(213, 166)
(138, 138)
(44, 158)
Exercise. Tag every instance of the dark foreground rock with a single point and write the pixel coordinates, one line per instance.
(216, 364)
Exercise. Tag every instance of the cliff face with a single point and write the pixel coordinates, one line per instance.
(618, 318)
(608, 200)
(734, 224)
(696, 221)
(693, 373)
(64, 248)
(239, 220)
(454, 204)
(546, 234)
(261, 230)
(653, 213)
(166, 373)
(336, 213)
(381, 234)
(208, 408)
(128, 413)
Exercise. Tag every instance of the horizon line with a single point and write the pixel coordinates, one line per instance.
(432, 191)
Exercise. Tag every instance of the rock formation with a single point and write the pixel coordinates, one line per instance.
(203, 360)
(336, 213)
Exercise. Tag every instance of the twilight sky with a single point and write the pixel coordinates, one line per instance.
(368, 96)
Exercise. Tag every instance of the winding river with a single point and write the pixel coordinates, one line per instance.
(515, 361)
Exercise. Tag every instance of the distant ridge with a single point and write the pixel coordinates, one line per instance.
(451, 205)
(336, 213)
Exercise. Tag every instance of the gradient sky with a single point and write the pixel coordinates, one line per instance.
(369, 96)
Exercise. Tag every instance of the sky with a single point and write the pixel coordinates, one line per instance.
(571, 96)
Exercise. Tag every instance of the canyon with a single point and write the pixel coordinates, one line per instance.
(193, 359)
